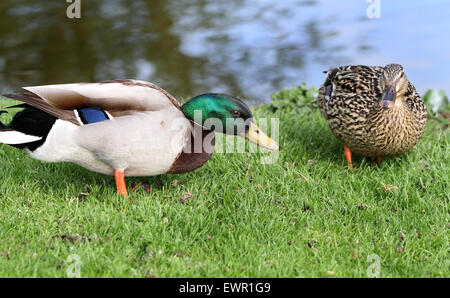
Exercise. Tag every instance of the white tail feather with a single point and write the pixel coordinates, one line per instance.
(12, 137)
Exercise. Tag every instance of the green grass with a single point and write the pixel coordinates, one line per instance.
(306, 215)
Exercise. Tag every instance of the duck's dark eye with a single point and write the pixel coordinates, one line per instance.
(235, 113)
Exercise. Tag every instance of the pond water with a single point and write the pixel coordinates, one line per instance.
(247, 48)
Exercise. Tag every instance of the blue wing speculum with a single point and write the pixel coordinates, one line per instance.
(91, 115)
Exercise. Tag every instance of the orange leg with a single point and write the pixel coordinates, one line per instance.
(145, 186)
(348, 156)
(120, 182)
(378, 160)
(136, 186)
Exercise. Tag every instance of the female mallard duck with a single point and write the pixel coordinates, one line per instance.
(124, 127)
(374, 111)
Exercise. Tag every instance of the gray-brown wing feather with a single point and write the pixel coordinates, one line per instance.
(417, 106)
(346, 98)
(129, 82)
(37, 102)
(349, 82)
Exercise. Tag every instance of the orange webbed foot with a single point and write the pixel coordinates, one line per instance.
(120, 183)
(145, 186)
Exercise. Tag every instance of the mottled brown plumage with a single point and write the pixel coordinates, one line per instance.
(374, 111)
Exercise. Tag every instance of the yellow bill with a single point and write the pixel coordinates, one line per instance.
(257, 136)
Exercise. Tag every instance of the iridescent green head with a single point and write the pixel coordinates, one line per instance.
(231, 116)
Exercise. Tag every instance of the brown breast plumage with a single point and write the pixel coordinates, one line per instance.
(196, 152)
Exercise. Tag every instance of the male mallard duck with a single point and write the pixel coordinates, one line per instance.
(374, 111)
(124, 127)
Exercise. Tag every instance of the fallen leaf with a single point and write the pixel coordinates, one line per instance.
(445, 115)
(402, 236)
(443, 127)
(82, 196)
(186, 196)
(72, 237)
(388, 187)
(422, 165)
(5, 254)
(178, 253)
(176, 182)
(268, 262)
